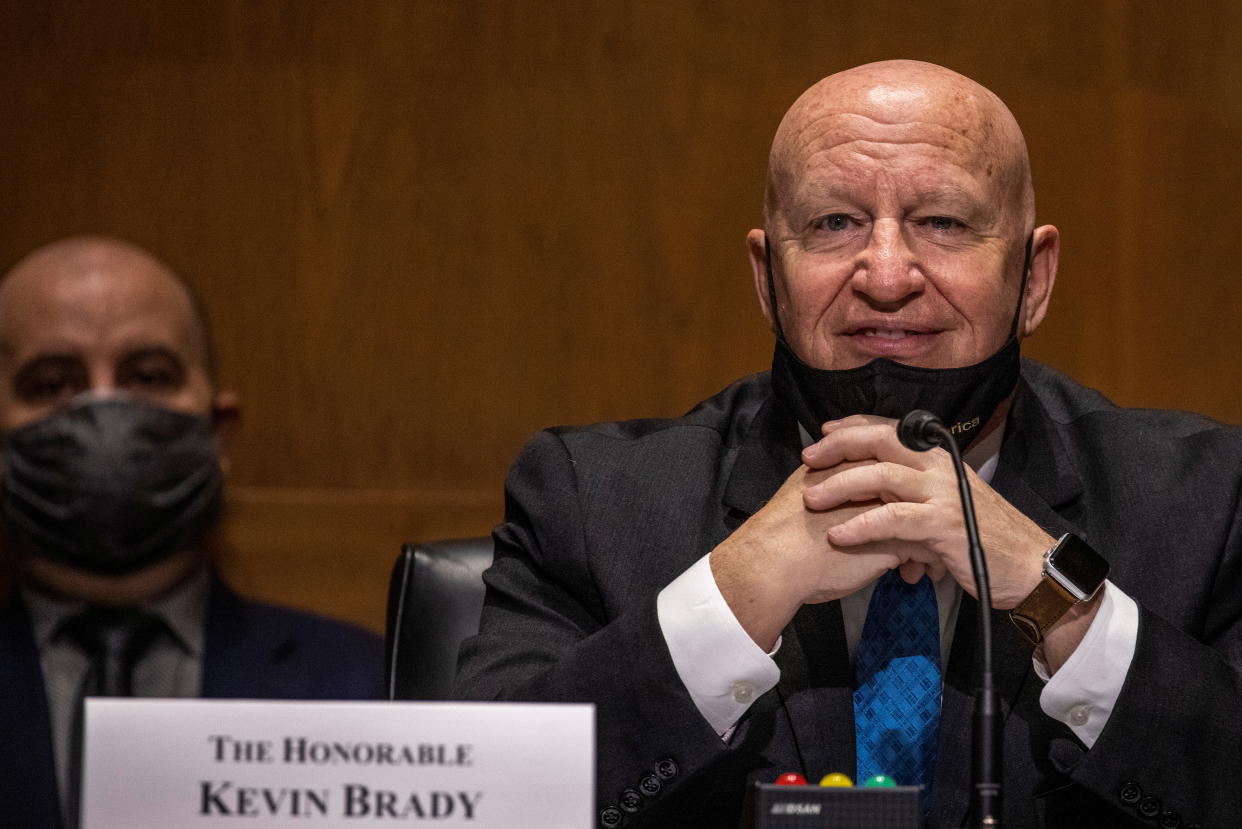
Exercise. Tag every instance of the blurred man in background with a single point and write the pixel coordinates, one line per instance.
(113, 438)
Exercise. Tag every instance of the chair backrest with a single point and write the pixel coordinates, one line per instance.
(435, 597)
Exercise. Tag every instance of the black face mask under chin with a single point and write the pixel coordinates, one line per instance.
(964, 398)
(111, 486)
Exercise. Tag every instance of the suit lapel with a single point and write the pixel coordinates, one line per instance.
(768, 451)
(817, 684)
(249, 654)
(816, 677)
(1037, 476)
(28, 793)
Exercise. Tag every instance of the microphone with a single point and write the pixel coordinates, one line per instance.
(917, 430)
(921, 430)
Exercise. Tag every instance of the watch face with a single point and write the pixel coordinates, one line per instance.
(1076, 566)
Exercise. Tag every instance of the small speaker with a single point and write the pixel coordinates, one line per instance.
(769, 806)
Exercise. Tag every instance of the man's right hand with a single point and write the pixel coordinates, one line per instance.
(780, 559)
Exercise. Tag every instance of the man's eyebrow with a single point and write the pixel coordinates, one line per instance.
(131, 352)
(949, 191)
(140, 353)
(42, 361)
(830, 190)
(49, 356)
(811, 202)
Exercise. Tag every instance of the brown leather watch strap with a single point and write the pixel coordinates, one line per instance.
(1047, 603)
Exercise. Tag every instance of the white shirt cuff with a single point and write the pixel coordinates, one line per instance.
(720, 665)
(1083, 693)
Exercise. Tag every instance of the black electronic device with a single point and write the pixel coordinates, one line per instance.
(1073, 573)
(1076, 567)
(771, 806)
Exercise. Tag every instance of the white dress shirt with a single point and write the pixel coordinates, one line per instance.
(725, 671)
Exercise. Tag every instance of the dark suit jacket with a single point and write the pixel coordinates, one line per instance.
(251, 650)
(599, 519)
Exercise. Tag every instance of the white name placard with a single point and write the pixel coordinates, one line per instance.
(155, 764)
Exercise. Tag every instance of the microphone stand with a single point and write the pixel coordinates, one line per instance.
(921, 430)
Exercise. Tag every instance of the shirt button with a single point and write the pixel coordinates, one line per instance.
(1079, 714)
(743, 692)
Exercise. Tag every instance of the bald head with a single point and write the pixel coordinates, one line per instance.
(897, 218)
(902, 101)
(98, 314)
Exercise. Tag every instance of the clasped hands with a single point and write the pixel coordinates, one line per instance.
(862, 504)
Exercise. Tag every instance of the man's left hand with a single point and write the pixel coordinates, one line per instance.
(921, 504)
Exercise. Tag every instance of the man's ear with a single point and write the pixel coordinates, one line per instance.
(226, 415)
(1045, 254)
(756, 249)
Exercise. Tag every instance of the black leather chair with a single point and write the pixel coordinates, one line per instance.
(435, 597)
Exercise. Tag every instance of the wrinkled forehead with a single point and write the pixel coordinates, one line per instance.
(902, 92)
(893, 113)
(941, 134)
(849, 150)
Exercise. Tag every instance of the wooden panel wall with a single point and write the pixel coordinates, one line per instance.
(426, 229)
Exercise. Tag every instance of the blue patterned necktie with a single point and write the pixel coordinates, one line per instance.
(897, 667)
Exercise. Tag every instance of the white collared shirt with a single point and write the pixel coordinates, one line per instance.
(725, 671)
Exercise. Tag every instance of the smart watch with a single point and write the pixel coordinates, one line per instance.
(1073, 573)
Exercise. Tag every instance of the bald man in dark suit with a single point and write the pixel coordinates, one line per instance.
(707, 581)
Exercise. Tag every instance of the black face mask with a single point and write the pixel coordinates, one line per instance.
(111, 486)
(964, 398)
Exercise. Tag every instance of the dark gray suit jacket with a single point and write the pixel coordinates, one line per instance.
(600, 518)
